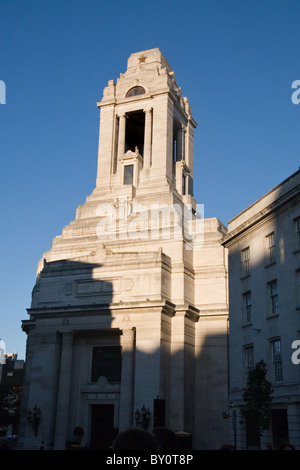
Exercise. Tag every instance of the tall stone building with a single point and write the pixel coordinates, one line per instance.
(263, 245)
(129, 310)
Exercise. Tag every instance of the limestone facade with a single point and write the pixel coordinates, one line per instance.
(130, 307)
(263, 245)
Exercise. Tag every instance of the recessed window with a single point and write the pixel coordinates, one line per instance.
(297, 222)
(249, 358)
(184, 178)
(277, 360)
(247, 305)
(137, 90)
(271, 247)
(128, 174)
(273, 296)
(246, 261)
(107, 363)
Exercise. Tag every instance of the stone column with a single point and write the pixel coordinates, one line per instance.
(121, 139)
(182, 389)
(179, 176)
(63, 397)
(187, 145)
(147, 138)
(127, 383)
(177, 372)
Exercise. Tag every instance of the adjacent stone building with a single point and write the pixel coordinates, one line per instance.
(264, 301)
(129, 311)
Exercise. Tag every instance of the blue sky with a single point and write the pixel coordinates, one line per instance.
(234, 60)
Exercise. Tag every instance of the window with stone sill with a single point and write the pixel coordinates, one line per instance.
(270, 240)
(298, 289)
(277, 360)
(297, 228)
(247, 307)
(128, 174)
(249, 358)
(273, 297)
(245, 258)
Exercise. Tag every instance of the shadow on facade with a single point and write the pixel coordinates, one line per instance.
(70, 342)
(264, 268)
(88, 371)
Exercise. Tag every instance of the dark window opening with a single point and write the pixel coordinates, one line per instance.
(135, 129)
(177, 144)
(137, 90)
(106, 362)
(184, 180)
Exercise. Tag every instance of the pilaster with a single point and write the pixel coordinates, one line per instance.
(127, 379)
(62, 410)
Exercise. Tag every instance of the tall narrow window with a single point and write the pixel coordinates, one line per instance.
(249, 358)
(246, 261)
(277, 360)
(271, 247)
(247, 306)
(128, 174)
(297, 288)
(183, 183)
(273, 296)
(297, 222)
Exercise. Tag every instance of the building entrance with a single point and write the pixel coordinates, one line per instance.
(280, 430)
(102, 427)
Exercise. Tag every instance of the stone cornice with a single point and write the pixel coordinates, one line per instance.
(188, 311)
(99, 309)
(277, 206)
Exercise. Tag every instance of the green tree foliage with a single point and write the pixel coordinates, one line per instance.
(258, 398)
(10, 397)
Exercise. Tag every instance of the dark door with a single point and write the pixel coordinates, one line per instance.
(102, 426)
(252, 432)
(280, 430)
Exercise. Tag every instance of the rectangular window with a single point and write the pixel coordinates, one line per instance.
(273, 296)
(297, 222)
(183, 184)
(271, 247)
(297, 288)
(247, 306)
(106, 362)
(277, 360)
(249, 358)
(128, 174)
(246, 261)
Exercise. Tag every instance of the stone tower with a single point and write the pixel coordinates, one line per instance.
(129, 309)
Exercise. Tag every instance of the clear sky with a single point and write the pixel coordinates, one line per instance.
(235, 60)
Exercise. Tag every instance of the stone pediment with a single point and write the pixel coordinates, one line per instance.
(102, 386)
(130, 155)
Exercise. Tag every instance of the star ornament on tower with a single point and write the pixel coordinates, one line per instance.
(142, 59)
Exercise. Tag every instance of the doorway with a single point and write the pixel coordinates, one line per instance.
(280, 431)
(102, 426)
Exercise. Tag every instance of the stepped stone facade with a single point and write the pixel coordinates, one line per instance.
(129, 309)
